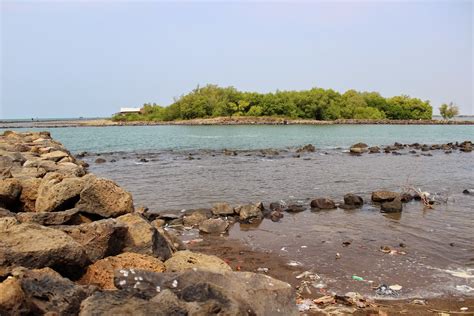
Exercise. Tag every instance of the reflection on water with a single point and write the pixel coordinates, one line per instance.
(434, 240)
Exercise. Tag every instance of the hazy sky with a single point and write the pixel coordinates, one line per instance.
(87, 58)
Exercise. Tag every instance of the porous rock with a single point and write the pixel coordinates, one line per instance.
(183, 260)
(101, 273)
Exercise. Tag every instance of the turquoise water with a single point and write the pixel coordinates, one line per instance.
(151, 138)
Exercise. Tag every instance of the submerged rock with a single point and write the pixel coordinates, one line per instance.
(392, 206)
(352, 201)
(323, 204)
(306, 148)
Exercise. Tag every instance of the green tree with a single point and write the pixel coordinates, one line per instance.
(448, 111)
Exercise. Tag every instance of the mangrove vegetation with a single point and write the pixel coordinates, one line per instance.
(317, 104)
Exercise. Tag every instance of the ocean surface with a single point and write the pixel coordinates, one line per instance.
(155, 138)
(185, 167)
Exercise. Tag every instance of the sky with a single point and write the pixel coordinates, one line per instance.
(65, 59)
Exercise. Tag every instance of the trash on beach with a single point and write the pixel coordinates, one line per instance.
(319, 285)
(338, 255)
(293, 263)
(463, 309)
(385, 291)
(464, 288)
(419, 302)
(390, 251)
(193, 241)
(395, 287)
(309, 275)
(326, 299)
(357, 278)
(304, 305)
(264, 270)
(461, 274)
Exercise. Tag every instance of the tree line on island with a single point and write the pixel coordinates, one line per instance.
(316, 103)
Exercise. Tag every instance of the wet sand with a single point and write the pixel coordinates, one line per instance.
(243, 258)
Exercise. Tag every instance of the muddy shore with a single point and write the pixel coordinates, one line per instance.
(223, 121)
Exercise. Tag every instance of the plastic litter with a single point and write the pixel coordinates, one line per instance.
(385, 290)
(293, 263)
(395, 287)
(264, 270)
(463, 309)
(419, 302)
(357, 278)
(464, 288)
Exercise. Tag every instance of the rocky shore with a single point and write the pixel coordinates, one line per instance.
(72, 243)
(241, 120)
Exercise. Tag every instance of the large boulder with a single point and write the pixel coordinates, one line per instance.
(105, 198)
(323, 204)
(143, 238)
(29, 193)
(101, 273)
(207, 292)
(358, 148)
(384, 196)
(35, 246)
(222, 209)
(10, 190)
(184, 260)
(47, 292)
(214, 226)
(58, 194)
(99, 239)
(49, 218)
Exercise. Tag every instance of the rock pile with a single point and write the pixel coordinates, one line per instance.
(72, 243)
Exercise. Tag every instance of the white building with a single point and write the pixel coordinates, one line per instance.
(129, 110)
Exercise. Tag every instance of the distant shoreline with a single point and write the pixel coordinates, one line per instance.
(221, 121)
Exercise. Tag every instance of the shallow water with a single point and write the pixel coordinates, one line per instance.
(436, 240)
(146, 138)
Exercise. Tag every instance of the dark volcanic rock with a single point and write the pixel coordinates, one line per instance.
(384, 196)
(35, 246)
(227, 293)
(46, 291)
(323, 203)
(49, 218)
(392, 206)
(99, 239)
(100, 160)
(352, 201)
(306, 148)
